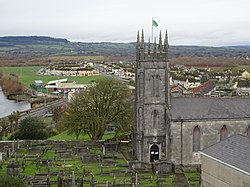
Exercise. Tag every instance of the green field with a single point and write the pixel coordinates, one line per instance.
(27, 75)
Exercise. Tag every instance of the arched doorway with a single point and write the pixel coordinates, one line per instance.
(154, 153)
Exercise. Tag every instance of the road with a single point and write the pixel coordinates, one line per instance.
(42, 110)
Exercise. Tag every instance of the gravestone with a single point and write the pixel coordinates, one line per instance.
(89, 158)
(111, 147)
(1, 157)
(13, 169)
(78, 150)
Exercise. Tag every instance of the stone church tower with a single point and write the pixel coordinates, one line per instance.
(151, 133)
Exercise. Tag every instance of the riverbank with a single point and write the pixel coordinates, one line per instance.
(19, 97)
(8, 106)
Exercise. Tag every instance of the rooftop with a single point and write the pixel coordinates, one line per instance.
(199, 108)
(233, 151)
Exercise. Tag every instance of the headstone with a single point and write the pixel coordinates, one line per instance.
(13, 169)
(9, 152)
(73, 184)
(103, 149)
(13, 146)
(18, 143)
(1, 157)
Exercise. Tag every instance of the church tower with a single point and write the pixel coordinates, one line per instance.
(151, 133)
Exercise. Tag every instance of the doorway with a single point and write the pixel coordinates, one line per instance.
(154, 153)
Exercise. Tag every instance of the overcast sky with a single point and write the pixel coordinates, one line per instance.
(189, 22)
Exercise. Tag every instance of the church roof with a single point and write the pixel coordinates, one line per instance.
(198, 108)
(233, 151)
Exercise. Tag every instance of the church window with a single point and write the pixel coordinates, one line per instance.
(140, 85)
(196, 139)
(156, 85)
(155, 79)
(248, 131)
(223, 132)
(155, 116)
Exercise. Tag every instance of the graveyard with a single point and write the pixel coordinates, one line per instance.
(83, 163)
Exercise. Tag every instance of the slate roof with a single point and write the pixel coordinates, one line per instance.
(205, 88)
(234, 151)
(198, 108)
(243, 84)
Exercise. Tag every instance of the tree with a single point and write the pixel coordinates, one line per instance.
(31, 129)
(4, 127)
(91, 112)
(13, 119)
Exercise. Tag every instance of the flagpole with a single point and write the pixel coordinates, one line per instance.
(152, 31)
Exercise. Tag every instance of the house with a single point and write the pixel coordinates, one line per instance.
(243, 87)
(177, 90)
(206, 88)
(227, 163)
(246, 74)
(53, 85)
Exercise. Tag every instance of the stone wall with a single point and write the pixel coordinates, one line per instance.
(182, 151)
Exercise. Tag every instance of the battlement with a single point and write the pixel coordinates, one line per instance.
(146, 54)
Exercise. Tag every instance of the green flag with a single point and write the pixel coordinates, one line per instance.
(154, 23)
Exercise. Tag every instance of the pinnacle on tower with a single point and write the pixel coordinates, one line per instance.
(149, 45)
(138, 40)
(142, 40)
(155, 46)
(160, 43)
(166, 45)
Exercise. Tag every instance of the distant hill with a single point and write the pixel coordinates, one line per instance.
(25, 40)
(239, 46)
(41, 46)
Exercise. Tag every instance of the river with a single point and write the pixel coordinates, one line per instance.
(9, 106)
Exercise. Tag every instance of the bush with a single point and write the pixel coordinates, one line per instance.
(31, 129)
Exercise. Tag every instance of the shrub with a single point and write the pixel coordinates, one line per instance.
(31, 129)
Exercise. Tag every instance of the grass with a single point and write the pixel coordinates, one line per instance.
(193, 178)
(27, 75)
(76, 165)
(68, 137)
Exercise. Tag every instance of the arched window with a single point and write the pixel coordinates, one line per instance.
(155, 116)
(248, 131)
(196, 139)
(223, 133)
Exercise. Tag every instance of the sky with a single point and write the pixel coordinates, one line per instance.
(189, 22)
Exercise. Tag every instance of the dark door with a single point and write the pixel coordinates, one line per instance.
(154, 153)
